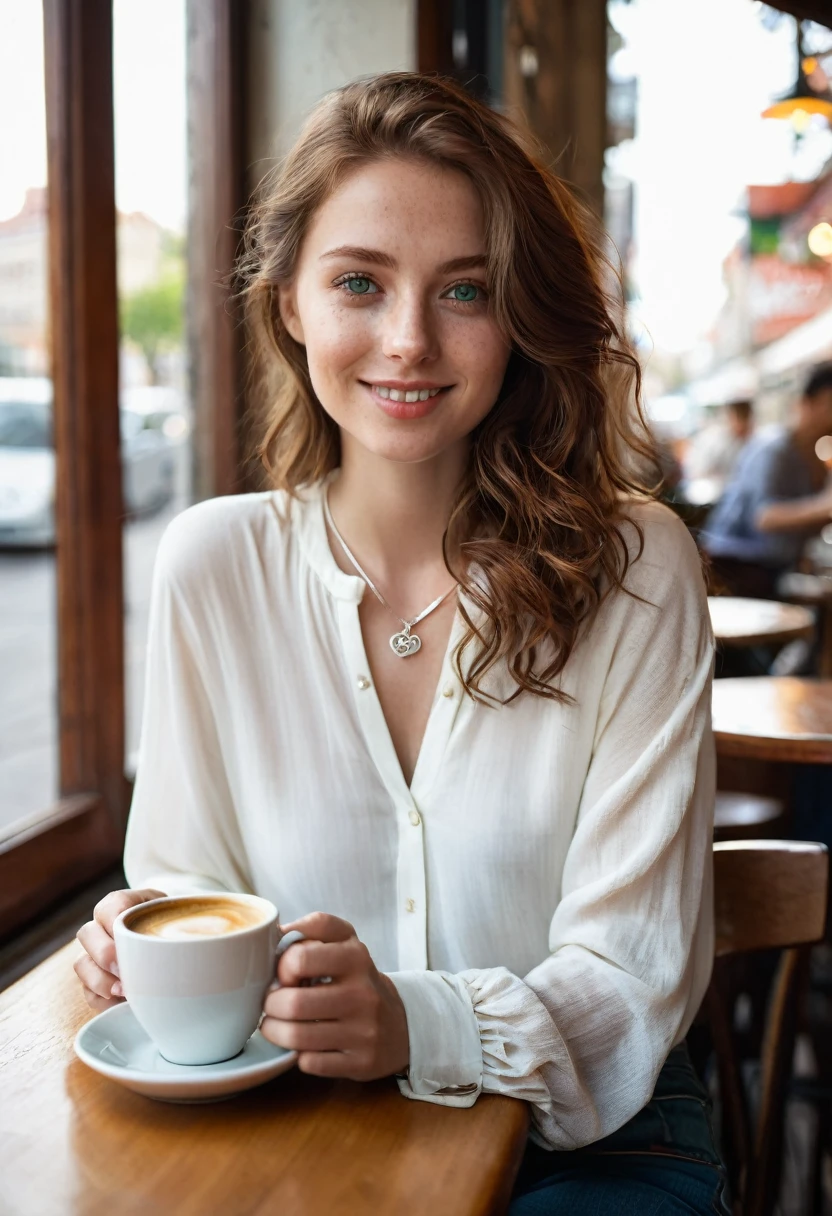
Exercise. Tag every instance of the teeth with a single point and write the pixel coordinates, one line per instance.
(397, 394)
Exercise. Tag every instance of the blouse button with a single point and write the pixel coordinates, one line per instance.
(363, 683)
(410, 904)
(448, 690)
(415, 818)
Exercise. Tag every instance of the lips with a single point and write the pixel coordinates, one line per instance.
(405, 403)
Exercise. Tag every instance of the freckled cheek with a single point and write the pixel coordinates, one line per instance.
(336, 342)
(480, 353)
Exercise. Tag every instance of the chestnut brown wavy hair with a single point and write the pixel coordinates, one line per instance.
(538, 516)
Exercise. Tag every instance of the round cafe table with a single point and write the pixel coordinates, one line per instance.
(744, 622)
(773, 718)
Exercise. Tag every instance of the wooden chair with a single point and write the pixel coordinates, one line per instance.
(768, 895)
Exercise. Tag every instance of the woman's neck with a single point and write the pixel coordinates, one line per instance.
(393, 515)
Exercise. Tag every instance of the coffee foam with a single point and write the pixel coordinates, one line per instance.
(191, 919)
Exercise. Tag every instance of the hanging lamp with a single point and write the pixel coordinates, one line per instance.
(810, 95)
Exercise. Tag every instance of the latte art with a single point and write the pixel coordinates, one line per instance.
(202, 924)
(191, 919)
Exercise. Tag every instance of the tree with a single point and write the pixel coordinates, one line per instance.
(152, 318)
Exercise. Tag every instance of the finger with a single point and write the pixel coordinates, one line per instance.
(99, 946)
(322, 927)
(321, 1003)
(93, 977)
(116, 902)
(328, 1064)
(310, 960)
(303, 1036)
(97, 1002)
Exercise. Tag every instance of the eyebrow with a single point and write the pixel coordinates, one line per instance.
(476, 261)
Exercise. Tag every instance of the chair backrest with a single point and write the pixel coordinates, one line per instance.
(768, 894)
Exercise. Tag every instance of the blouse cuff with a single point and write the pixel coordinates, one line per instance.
(445, 1051)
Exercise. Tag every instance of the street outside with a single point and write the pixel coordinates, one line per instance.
(28, 660)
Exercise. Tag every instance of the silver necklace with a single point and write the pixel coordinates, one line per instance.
(404, 643)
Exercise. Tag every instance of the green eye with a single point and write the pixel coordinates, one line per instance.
(466, 293)
(359, 286)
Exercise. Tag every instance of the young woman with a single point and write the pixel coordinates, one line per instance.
(450, 680)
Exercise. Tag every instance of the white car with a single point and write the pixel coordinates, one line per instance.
(27, 460)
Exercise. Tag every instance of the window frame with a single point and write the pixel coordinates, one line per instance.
(81, 836)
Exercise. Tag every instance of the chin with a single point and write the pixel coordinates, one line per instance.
(407, 447)
(406, 453)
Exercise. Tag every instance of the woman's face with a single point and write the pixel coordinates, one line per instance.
(390, 301)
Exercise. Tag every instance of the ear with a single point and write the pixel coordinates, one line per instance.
(289, 315)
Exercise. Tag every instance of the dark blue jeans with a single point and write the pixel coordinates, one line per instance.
(663, 1161)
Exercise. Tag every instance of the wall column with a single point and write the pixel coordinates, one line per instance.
(555, 82)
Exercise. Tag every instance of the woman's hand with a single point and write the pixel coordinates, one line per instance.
(354, 1026)
(97, 968)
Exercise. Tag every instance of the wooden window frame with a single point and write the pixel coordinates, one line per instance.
(82, 835)
(218, 31)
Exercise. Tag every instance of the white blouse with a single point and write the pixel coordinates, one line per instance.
(540, 895)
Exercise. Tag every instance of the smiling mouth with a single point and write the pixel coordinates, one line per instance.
(406, 395)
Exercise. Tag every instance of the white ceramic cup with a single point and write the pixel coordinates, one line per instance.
(200, 998)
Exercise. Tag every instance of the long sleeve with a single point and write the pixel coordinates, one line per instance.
(583, 1035)
(182, 834)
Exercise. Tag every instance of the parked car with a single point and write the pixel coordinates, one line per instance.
(27, 460)
(161, 407)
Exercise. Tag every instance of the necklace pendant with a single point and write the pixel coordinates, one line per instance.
(405, 644)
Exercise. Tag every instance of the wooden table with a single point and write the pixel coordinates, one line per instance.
(745, 622)
(774, 718)
(75, 1144)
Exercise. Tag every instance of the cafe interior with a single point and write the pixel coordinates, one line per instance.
(136, 133)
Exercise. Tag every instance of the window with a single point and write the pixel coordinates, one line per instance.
(28, 604)
(151, 213)
(117, 441)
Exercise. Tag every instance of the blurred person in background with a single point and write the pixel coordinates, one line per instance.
(776, 499)
(713, 453)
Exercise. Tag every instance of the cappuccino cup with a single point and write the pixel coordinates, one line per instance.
(195, 970)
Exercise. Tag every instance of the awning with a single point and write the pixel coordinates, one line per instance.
(808, 343)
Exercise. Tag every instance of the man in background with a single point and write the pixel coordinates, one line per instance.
(713, 453)
(776, 499)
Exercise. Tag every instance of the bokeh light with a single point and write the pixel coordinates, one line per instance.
(820, 240)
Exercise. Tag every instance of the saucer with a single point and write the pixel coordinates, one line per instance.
(114, 1044)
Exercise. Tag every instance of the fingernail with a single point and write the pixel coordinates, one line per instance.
(115, 971)
(117, 990)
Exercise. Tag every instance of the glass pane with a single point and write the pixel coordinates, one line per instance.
(151, 192)
(28, 664)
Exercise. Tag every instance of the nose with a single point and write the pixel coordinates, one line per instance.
(409, 333)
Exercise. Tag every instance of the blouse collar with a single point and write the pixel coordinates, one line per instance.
(309, 526)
